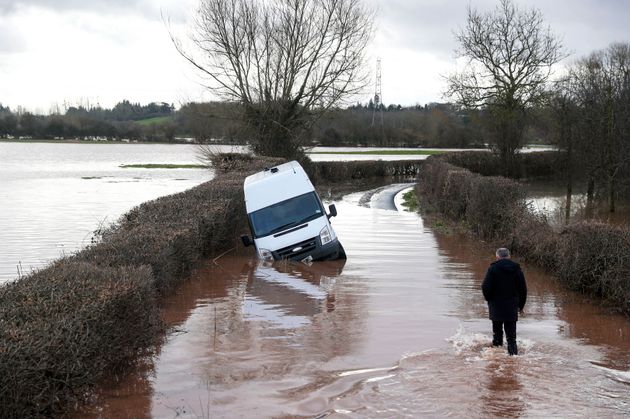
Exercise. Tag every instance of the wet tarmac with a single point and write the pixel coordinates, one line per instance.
(400, 329)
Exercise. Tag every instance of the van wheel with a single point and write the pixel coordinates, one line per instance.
(341, 254)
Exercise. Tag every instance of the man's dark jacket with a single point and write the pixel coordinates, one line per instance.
(505, 290)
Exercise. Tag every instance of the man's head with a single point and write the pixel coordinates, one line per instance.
(502, 253)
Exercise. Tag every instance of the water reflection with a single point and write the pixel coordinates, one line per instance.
(503, 389)
(238, 321)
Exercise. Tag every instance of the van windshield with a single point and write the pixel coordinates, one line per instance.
(286, 214)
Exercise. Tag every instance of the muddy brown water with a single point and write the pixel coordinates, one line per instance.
(398, 330)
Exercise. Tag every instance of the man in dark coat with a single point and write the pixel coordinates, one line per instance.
(505, 290)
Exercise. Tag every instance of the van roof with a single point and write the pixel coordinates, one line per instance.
(275, 184)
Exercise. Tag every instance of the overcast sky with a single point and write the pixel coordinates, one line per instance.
(103, 51)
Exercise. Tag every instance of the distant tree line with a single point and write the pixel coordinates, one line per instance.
(126, 120)
(124, 111)
(433, 125)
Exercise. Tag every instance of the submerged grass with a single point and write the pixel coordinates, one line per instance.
(410, 201)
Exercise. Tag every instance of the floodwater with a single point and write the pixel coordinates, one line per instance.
(549, 198)
(321, 153)
(53, 197)
(400, 329)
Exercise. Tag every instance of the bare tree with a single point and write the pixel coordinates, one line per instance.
(510, 54)
(601, 84)
(591, 108)
(285, 61)
(564, 112)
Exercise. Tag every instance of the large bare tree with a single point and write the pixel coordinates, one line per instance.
(285, 61)
(510, 54)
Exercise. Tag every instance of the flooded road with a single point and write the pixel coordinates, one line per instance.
(398, 330)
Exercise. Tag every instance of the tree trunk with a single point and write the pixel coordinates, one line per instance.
(567, 208)
(590, 196)
(611, 194)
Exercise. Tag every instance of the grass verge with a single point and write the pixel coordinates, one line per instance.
(410, 201)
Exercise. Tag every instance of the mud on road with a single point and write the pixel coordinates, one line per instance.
(400, 329)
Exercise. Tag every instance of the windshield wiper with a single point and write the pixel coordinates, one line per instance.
(283, 227)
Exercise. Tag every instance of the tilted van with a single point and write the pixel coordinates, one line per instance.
(287, 219)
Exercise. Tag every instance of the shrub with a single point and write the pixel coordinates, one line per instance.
(63, 326)
(172, 233)
(595, 258)
(530, 165)
(535, 240)
(481, 162)
(491, 206)
(496, 205)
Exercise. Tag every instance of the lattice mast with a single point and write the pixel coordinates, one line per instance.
(378, 94)
(378, 101)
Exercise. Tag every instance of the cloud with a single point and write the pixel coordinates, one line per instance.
(150, 9)
(112, 49)
(426, 25)
(12, 39)
(429, 25)
(9, 6)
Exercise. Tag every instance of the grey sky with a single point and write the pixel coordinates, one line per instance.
(103, 51)
(110, 7)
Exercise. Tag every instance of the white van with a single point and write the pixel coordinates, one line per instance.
(286, 216)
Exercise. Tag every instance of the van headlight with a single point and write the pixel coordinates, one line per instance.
(265, 254)
(325, 235)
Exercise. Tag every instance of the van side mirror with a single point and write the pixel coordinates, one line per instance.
(247, 241)
(332, 211)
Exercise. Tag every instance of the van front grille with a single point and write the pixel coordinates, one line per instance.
(296, 251)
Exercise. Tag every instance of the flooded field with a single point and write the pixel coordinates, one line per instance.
(53, 197)
(398, 330)
(549, 197)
